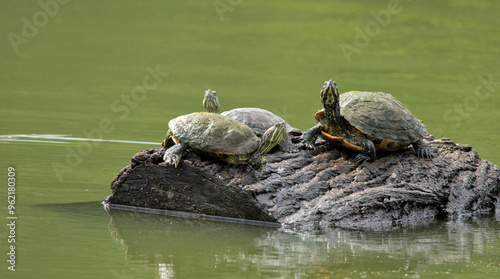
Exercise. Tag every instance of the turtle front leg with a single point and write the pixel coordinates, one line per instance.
(309, 137)
(422, 149)
(368, 153)
(174, 154)
(256, 161)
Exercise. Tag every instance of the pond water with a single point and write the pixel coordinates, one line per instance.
(86, 84)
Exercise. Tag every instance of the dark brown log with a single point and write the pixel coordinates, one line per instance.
(319, 189)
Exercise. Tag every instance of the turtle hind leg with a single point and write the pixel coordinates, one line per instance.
(422, 149)
(174, 154)
(288, 147)
(309, 137)
(367, 154)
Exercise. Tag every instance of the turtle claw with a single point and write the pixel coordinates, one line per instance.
(425, 153)
(360, 158)
(423, 150)
(307, 143)
(174, 154)
(172, 159)
(309, 137)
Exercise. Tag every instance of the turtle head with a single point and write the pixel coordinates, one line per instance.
(271, 137)
(211, 101)
(330, 100)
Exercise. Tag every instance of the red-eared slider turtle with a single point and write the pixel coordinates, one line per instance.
(259, 120)
(221, 137)
(365, 122)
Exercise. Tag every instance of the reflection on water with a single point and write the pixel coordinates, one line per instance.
(183, 214)
(180, 248)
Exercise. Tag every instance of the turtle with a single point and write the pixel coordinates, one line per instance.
(259, 120)
(221, 137)
(366, 122)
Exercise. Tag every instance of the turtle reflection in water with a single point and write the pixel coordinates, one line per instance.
(366, 122)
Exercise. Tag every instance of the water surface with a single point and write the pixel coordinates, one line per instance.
(104, 79)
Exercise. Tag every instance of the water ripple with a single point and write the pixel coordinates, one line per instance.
(39, 138)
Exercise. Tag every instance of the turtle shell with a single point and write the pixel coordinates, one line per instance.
(381, 116)
(258, 119)
(214, 133)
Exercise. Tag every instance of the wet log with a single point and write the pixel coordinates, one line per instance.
(319, 189)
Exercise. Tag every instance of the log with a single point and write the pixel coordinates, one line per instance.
(319, 189)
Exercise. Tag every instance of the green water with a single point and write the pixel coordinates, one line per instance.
(121, 70)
